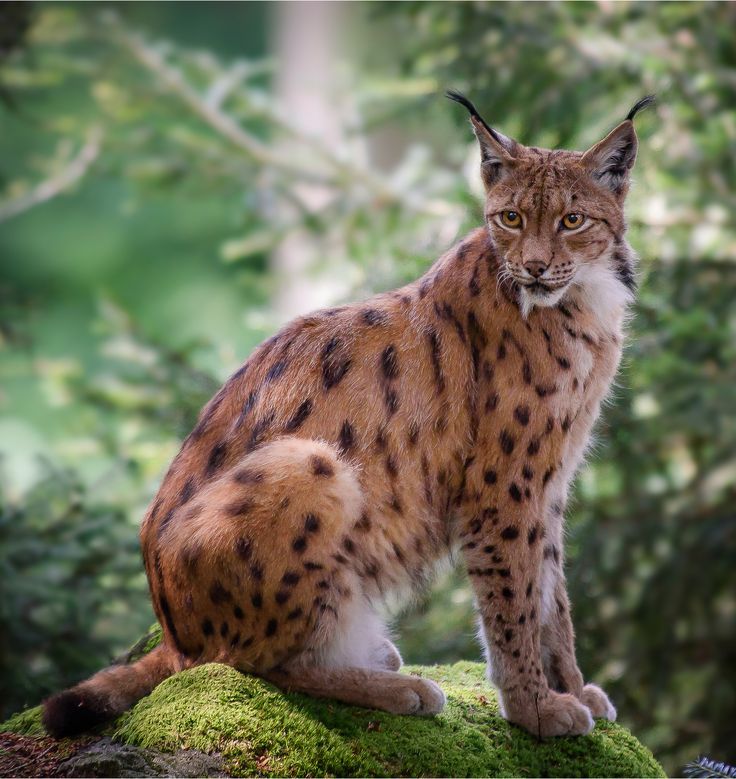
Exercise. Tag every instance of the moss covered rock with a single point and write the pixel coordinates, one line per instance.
(257, 730)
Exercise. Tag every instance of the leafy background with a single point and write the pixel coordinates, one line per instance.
(173, 187)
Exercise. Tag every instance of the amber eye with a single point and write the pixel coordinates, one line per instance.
(572, 221)
(511, 218)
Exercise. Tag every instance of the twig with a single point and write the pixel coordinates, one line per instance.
(209, 109)
(59, 183)
(224, 84)
(210, 112)
(132, 654)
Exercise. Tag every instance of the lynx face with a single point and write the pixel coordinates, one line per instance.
(554, 216)
(551, 222)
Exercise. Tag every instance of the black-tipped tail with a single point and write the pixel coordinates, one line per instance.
(106, 695)
(74, 711)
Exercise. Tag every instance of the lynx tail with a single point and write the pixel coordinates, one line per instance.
(105, 695)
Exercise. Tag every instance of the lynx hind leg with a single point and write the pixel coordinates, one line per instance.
(253, 569)
(359, 639)
(388, 656)
(356, 663)
(373, 689)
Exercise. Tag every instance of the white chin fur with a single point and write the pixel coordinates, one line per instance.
(599, 284)
(529, 299)
(597, 288)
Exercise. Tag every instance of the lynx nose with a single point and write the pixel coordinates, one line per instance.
(536, 267)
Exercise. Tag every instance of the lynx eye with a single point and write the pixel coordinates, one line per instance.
(572, 221)
(511, 218)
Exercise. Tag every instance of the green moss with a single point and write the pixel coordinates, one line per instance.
(26, 722)
(152, 638)
(259, 730)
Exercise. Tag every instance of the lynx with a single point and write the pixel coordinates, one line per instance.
(363, 445)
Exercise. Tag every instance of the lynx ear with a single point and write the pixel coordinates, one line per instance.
(496, 150)
(610, 161)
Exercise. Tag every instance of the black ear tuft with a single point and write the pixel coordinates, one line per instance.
(640, 105)
(459, 97)
(71, 712)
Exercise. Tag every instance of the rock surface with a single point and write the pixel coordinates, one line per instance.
(214, 721)
(110, 758)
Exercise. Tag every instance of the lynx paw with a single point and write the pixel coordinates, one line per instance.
(557, 714)
(419, 696)
(598, 702)
(562, 714)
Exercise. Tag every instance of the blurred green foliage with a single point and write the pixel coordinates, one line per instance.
(144, 187)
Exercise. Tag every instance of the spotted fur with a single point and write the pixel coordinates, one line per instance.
(358, 447)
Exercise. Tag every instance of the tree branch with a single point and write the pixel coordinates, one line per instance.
(211, 112)
(59, 183)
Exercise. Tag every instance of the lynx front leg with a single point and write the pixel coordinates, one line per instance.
(558, 637)
(503, 551)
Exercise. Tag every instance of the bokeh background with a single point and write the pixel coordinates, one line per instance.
(177, 180)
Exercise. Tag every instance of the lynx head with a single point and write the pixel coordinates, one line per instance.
(557, 217)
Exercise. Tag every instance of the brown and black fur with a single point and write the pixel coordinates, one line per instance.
(360, 446)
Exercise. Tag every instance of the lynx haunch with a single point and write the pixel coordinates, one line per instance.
(363, 445)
